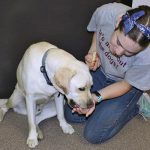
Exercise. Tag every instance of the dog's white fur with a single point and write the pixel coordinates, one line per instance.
(34, 97)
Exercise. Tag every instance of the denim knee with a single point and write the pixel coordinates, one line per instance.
(96, 135)
(92, 137)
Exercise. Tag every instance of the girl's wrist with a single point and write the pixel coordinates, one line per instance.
(99, 97)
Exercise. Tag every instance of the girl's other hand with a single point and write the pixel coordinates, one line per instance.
(92, 59)
(86, 111)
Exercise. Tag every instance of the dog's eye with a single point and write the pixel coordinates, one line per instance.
(82, 89)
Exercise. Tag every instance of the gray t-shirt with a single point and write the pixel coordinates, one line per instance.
(135, 69)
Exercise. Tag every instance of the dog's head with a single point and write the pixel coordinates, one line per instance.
(75, 84)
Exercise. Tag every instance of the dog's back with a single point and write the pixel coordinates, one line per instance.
(29, 77)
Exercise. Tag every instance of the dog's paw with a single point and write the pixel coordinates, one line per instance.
(32, 142)
(3, 110)
(67, 128)
(1, 115)
(40, 133)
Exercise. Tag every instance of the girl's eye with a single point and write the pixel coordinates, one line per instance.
(82, 89)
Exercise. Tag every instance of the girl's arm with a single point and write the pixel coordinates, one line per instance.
(115, 90)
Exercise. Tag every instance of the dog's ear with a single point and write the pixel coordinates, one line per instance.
(62, 78)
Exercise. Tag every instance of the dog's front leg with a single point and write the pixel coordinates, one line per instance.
(32, 140)
(59, 100)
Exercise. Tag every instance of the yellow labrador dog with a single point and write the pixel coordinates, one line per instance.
(44, 75)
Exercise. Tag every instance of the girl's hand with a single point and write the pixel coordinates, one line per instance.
(92, 59)
(86, 111)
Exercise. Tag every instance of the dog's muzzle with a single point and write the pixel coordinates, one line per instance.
(72, 104)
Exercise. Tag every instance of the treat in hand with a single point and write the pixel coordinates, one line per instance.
(94, 58)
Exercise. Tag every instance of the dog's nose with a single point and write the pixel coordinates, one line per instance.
(90, 104)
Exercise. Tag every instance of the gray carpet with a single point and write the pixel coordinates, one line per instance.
(14, 130)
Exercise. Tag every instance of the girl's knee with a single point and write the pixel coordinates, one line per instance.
(95, 138)
(96, 135)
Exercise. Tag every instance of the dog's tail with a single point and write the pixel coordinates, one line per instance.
(3, 108)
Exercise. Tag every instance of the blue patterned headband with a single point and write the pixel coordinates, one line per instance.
(130, 21)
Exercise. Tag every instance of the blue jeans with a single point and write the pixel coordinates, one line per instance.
(110, 115)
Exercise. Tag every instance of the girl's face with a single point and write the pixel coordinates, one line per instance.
(123, 45)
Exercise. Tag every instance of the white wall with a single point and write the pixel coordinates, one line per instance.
(136, 3)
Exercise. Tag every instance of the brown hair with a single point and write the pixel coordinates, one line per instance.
(135, 34)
